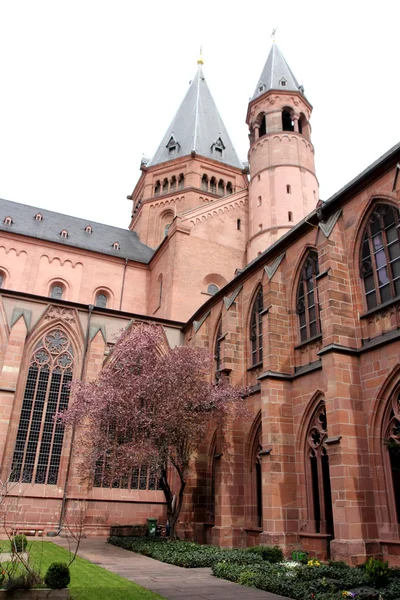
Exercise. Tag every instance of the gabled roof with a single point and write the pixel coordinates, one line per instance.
(49, 228)
(197, 127)
(275, 72)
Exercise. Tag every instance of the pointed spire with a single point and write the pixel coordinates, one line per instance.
(276, 75)
(197, 127)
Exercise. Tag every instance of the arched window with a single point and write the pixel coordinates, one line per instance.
(173, 184)
(256, 329)
(221, 188)
(319, 484)
(181, 181)
(217, 352)
(229, 188)
(204, 183)
(2, 279)
(380, 256)
(8, 221)
(40, 437)
(165, 186)
(392, 442)
(288, 189)
(256, 479)
(56, 291)
(307, 299)
(287, 123)
(157, 188)
(212, 289)
(290, 216)
(213, 185)
(38, 217)
(166, 229)
(116, 246)
(88, 229)
(263, 127)
(238, 224)
(101, 300)
(64, 233)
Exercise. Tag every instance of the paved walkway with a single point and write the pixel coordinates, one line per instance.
(174, 583)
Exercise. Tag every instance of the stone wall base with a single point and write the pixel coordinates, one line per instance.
(355, 552)
(228, 537)
(286, 541)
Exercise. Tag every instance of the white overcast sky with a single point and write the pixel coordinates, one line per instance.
(87, 87)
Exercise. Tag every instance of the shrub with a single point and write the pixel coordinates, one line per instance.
(377, 572)
(19, 543)
(19, 582)
(57, 576)
(272, 554)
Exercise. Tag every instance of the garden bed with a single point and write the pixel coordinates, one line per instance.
(263, 567)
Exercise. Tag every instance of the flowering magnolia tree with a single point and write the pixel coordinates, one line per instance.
(150, 405)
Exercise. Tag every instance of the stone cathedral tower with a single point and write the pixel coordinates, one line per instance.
(283, 186)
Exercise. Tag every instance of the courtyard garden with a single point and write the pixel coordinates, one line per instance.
(265, 568)
(87, 580)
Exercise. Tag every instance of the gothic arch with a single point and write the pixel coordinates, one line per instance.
(379, 456)
(253, 493)
(211, 478)
(295, 283)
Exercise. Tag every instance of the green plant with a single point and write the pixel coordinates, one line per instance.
(19, 543)
(272, 554)
(377, 572)
(57, 576)
(24, 581)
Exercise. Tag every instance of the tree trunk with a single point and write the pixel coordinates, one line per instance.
(173, 509)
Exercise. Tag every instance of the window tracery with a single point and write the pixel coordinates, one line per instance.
(40, 437)
(380, 256)
(319, 476)
(392, 442)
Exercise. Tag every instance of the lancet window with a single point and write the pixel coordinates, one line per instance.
(392, 442)
(318, 473)
(40, 437)
(256, 338)
(217, 352)
(307, 299)
(380, 256)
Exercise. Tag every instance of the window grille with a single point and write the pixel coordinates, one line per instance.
(38, 446)
(307, 299)
(380, 256)
(256, 338)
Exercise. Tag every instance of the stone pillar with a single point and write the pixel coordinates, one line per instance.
(256, 132)
(296, 123)
(8, 382)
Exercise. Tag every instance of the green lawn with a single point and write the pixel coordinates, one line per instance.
(88, 581)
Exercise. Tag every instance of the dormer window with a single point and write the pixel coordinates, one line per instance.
(283, 82)
(38, 217)
(218, 148)
(116, 246)
(8, 221)
(261, 87)
(172, 146)
(88, 229)
(64, 233)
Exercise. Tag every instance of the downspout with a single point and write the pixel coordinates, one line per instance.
(85, 349)
(123, 284)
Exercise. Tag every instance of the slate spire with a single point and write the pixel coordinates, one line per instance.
(276, 75)
(197, 127)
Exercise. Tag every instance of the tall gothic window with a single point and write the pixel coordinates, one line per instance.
(256, 329)
(40, 438)
(257, 478)
(307, 299)
(217, 352)
(318, 471)
(392, 442)
(380, 256)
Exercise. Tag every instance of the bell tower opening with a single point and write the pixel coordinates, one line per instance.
(287, 121)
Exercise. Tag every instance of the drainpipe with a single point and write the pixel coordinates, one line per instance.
(123, 283)
(85, 349)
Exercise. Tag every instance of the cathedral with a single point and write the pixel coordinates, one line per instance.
(295, 297)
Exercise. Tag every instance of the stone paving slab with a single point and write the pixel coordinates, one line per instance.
(174, 583)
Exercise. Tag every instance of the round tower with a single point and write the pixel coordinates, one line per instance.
(283, 186)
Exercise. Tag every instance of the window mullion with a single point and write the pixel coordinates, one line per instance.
(374, 267)
(54, 426)
(44, 411)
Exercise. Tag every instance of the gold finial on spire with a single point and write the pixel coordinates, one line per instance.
(200, 60)
(273, 35)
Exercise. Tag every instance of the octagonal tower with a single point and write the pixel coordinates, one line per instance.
(283, 185)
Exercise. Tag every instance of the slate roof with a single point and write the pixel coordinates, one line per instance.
(276, 69)
(100, 240)
(196, 127)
